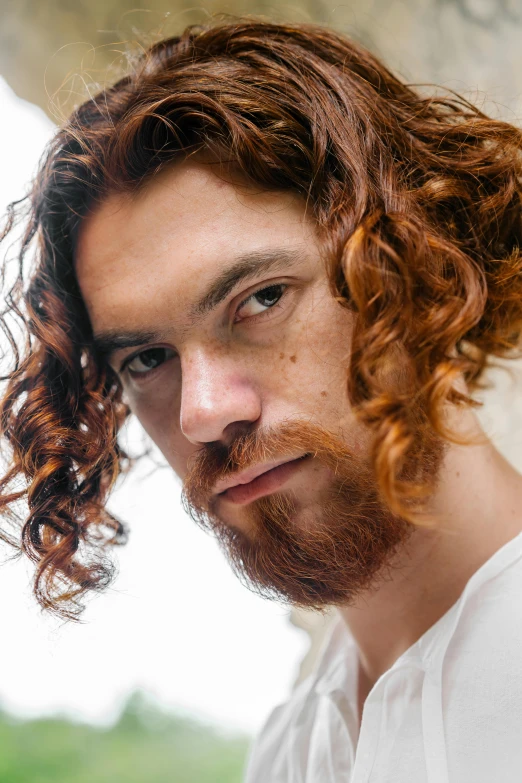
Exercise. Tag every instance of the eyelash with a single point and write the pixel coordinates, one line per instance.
(283, 286)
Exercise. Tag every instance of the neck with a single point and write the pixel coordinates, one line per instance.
(477, 510)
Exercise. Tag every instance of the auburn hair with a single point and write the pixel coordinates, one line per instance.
(417, 197)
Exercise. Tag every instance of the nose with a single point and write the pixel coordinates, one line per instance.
(216, 396)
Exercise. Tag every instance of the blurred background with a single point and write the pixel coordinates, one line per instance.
(175, 667)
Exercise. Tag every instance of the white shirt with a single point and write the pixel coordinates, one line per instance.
(449, 710)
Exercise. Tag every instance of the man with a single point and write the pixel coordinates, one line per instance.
(294, 270)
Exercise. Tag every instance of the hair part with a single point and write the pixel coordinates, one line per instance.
(417, 198)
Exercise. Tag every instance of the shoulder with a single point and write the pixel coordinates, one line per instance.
(488, 617)
(481, 676)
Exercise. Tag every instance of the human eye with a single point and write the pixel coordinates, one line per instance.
(260, 301)
(146, 361)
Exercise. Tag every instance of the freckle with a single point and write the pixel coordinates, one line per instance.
(324, 394)
(293, 359)
(281, 356)
(458, 473)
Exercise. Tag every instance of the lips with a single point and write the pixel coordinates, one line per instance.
(246, 476)
(258, 481)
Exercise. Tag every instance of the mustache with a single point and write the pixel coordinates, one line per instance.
(217, 461)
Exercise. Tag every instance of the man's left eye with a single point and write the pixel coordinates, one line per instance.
(260, 301)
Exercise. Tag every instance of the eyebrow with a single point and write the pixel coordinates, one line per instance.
(244, 268)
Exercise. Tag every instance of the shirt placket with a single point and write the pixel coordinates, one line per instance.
(375, 723)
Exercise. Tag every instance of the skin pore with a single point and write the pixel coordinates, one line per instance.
(234, 329)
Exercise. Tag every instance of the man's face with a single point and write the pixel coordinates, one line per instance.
(240, 375)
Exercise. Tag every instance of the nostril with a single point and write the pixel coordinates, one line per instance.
(221, 422)
(239, 429)
(217, 399)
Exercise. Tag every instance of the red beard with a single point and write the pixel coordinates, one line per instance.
(310, 561)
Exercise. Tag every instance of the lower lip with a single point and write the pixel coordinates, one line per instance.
(264, 484)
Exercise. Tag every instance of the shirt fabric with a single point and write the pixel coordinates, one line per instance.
(449, 710)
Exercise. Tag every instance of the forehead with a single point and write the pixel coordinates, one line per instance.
(143, 258)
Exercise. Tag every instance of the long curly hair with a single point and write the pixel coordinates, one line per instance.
(417, 198)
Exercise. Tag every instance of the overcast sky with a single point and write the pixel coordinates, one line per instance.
(176, 622)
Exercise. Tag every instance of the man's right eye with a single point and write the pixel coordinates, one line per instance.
(146, 361)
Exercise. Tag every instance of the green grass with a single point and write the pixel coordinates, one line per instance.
(145, 746)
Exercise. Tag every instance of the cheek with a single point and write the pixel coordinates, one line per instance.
(332, 336)
(177, 453)
(318, 377)
(314, 364)
(160, 420)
